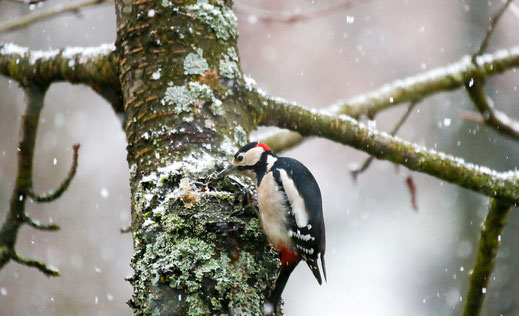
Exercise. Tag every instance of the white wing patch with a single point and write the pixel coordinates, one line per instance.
(296, 201)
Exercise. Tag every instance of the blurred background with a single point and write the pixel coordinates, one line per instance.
(383, 257)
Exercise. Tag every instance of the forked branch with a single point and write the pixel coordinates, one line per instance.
(345, 130)
(96, 67)
(475, 88)
(491, 116)
(409, 89)
(16, 215)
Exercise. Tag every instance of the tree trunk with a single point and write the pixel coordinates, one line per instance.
(180, 78)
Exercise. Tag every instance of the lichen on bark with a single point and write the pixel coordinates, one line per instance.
(198, 249)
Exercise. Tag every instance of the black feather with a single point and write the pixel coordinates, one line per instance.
(309, 190)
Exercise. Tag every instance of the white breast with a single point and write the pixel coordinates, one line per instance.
(273, 212)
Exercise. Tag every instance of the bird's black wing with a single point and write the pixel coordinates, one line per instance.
(306, 230)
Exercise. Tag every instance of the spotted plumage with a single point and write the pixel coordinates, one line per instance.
(290, 208)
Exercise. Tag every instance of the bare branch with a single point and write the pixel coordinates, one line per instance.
(280, 140)
(412, 88)
(355, 173)
(493, 22)
(48, 271)
(64, 185)
(37, 225)
(491, 116)
(16, 215)
(498, 210)
(345, 130)
(289, 17)
(38, 16)
(97, 67)
(488, 247)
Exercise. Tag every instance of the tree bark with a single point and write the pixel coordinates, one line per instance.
(180, 74)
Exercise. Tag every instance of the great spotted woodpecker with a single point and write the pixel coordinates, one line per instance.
(290, 209)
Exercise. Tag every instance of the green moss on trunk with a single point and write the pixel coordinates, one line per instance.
(197, 251)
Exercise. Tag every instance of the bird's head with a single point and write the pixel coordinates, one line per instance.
(253, 156)
(250, 156)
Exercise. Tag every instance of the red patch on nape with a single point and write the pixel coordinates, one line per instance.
(265, 147)
(289, 258)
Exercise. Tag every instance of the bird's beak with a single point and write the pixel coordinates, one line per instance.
(224, 172)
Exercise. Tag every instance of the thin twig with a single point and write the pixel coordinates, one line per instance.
(348, 131)
(492, 117)
(420, 86)
(355, 173)
(497, 210)
(493, 22)
(48, 271)
(37, 225)
(488, 247)
(16, 215)
(28, 19)
(289, 17)
(64, 185)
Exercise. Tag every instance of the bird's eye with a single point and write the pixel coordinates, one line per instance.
(239, 159)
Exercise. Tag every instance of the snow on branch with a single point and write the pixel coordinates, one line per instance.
(491, 116)
(43, 15)
(346, 130)
(495, 221)
(413, 88)
(500, 121)
(96, 67)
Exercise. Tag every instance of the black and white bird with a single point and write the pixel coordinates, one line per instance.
(290, 208)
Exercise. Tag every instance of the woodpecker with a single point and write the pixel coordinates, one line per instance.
(290, 209)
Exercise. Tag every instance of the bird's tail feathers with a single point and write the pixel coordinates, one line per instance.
(324, 267)
(314, 267)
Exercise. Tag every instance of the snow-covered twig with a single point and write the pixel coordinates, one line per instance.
(355, 172)
(38, 16)
(491, 116)
(97, 67)
(346, 130)
(412, 88)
